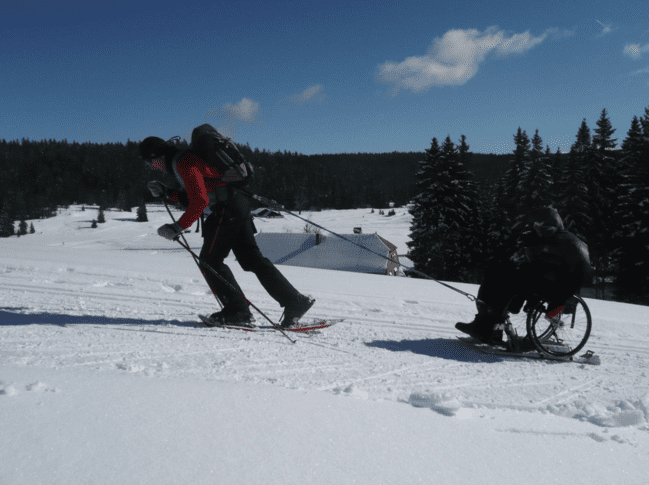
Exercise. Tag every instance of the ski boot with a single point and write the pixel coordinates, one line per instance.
(234, 318)
(296, 310)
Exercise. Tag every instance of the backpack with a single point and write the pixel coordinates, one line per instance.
(220, 152)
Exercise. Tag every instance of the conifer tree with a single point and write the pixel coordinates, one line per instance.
(517, 168)
(22, 227)
(31, 228)
(445, 203)
(123, 202)
(100, 216)
(420, 251)
(632, 234)
(602, 176)
(498, 225)
(513, 183)
(6, 219)
(93, 225)
(474, 234)
(537, 146)
(557, 172)
(141, 213)
(574, 209)
(536, 186)
(464, 156)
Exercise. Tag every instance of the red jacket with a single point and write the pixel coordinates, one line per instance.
(200, 181)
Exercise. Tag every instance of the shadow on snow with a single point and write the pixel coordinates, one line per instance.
(442, 348)
(15, 316)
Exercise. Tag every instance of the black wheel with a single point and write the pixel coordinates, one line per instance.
(565, 334)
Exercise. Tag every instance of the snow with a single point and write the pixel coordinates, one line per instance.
(106, 378)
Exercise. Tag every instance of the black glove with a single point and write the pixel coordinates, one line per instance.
(157, 189)
(170, 231)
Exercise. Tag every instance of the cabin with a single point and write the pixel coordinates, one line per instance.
(331, 252)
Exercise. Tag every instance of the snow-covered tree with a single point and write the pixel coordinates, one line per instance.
(422, 211)
(514, 176)
(442, 214)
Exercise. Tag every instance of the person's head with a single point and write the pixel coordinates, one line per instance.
(545, 220)
(156, 152)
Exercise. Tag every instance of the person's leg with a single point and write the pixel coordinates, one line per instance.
(219, 231)
(502, 281)
(498, 288)
(251, 259)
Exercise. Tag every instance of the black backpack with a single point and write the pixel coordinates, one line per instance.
(220, 152)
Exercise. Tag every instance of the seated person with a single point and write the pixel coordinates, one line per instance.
(554, 266)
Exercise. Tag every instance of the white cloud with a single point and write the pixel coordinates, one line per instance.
(454, 59)
(635, 51)
(244, 110)
(230, 115)
(310, 94)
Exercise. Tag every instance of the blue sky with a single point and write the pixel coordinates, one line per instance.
(325, 76)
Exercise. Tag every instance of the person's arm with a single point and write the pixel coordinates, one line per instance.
(194, 171)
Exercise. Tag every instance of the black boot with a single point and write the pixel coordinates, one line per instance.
(482, 328)
(234, 317)
(296, 310)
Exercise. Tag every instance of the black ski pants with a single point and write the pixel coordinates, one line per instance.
(507, 283)
(230, 228)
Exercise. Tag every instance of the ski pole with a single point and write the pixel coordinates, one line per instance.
(278, 206)
(200, 262)
(194, 256)
(241, 295)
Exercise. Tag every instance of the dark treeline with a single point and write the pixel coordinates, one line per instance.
(461, 223)
(469, 208)
(38, 176)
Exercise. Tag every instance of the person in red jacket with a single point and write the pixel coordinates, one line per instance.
(554, 266)
(228, 227)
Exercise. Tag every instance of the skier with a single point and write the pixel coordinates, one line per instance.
(554, 266)
(228, 226)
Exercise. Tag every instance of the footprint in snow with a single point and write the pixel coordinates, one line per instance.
(171, 288)
(40, 386)
(353, 391)
(7, 390)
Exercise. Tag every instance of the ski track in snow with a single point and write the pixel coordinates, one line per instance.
(128, 304)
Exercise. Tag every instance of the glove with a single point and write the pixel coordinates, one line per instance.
(170, 231)
(157, 188)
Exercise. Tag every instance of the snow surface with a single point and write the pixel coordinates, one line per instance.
(105, 378)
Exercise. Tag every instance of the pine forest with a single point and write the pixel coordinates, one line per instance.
(468, 209)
